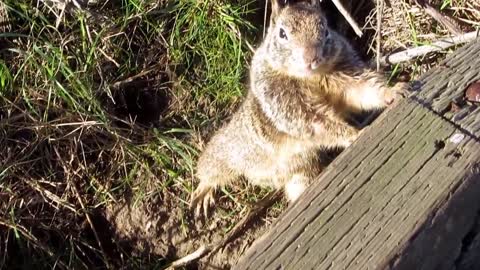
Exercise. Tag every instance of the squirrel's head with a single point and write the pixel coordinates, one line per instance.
(298, 38)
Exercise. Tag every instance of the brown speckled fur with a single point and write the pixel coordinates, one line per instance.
(274, 138)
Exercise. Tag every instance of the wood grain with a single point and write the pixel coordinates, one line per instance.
(406, 195)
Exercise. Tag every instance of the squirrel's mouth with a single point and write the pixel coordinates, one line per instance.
(301, 69)
(306, 71)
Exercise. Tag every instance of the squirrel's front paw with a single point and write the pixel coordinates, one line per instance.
(202, 197)
(401, 89)
(396, 93)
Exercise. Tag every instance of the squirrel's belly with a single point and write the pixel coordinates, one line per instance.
(295, 155)
(275, 168)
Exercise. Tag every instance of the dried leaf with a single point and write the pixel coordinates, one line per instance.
(473, 92)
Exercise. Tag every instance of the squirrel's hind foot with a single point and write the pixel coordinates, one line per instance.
(202, 198)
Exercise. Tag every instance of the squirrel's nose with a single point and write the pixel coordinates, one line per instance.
(311, 56)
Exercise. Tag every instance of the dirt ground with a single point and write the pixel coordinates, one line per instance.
(161, 228)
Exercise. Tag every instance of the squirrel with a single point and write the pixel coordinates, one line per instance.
(305, 79)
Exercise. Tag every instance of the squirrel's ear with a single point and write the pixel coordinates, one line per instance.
(316, 3)
(277, 5)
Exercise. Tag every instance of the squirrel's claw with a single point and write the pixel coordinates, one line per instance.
(202, 197)
(207, 202)
(396, 93)
(402, 89)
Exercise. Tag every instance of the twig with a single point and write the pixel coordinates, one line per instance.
(197, 254)
(446, 21)
(265, 18)
(348, 17)
(439, 45)
(203, 250)
(260, 207)
(380, 5)
(117, 84)
(109, 57)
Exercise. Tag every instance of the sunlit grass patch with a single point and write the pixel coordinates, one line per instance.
(67, 152)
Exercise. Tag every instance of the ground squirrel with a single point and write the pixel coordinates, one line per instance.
(304, 79)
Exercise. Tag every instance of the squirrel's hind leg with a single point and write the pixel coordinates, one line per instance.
(211, 177)
(202, 197)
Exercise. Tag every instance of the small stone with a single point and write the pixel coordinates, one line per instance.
(454, 107)
(457, 138)
(473, 92)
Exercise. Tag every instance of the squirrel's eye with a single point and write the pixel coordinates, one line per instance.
(327, 33)
(282, 34)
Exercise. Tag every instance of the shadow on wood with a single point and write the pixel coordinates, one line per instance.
(406, 195)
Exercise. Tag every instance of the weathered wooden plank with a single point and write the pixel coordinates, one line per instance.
(404, 196)
(447, 83)
(374, 195)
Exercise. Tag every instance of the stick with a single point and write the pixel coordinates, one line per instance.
(261, 206)
(197, 254)
(349, 18)
(203, 250)
(379, 32)
(439, 45)
(446, 21)
(265, 18)
(136, 76)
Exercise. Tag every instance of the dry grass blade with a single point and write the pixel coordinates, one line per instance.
(237, 32)
(446, 21)
(130, 79)
(438, 45)
(50, 195)
(380, 4)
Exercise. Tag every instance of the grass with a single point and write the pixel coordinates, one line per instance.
(109, 105)
(72, 131)
(200, 33)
